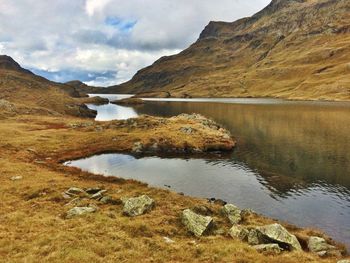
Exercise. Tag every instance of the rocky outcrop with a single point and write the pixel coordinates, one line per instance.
(319, 246)
(239, 232)
(278, 234)
(77, 211)
(233, 213)
(195, 223)
(137, 206)
(268, 248)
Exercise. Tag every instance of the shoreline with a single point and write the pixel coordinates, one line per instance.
(41, 145)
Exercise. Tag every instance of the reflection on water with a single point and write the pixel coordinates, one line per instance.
(111, 111)
(292, 161)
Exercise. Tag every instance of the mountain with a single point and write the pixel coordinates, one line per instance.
(295, 49)
(28, 93)
(84, 89)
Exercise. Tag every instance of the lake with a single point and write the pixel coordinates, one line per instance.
(292, 160)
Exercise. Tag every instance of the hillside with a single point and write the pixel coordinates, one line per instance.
(295, 49)
(23, 92)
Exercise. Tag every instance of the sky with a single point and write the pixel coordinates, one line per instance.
(105, 42)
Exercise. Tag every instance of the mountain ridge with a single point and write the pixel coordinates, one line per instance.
(294, 49)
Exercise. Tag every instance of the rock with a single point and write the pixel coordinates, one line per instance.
(93, 190)
(98, 195)
(318, 244)
(168, 240)
(239, 232)
(256, 238)
(186, 130)
(246, 213)
(196, 224)
(344, 261)
(16, 178)
(137, 205)
(233, 213)
(268, 248)
(278, 234)
(138, 147)
(219, 232)
(202, 210)
(77, 211)
(75, 191)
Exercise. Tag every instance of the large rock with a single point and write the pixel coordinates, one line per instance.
(268, 248)
(278, 234)
(239, 232)
(196, 224)
(233, 213)
(77, 211)
(319, 246)
(138, 205)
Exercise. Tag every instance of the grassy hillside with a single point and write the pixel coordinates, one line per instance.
(297, 49)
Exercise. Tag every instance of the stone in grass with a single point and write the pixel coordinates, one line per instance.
(196, 224)
(319, 246)
(137, 205)
(239, 232)
(93, 190)
(344, 261)
(75, 191)
(98, 195)
(16, 178)
(278, 234)
(268, 248)
(77, 211)
(233, 213)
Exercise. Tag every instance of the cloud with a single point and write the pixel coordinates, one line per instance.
(98, 36)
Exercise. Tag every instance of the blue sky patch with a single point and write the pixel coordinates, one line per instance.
(121, 24)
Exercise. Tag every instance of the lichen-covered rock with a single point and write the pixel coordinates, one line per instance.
(317, 244)
(268, 248)
(137, 205)
(233, 213)
(77, 211)
(239, 232)
(196, 224)
(75, 191)
(256, 238)
(278, 234)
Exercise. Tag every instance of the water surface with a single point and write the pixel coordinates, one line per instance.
(292, 161)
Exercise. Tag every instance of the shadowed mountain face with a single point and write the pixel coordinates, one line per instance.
(21, 91)
(298, 49)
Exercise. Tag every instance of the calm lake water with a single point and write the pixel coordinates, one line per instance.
(292, 161)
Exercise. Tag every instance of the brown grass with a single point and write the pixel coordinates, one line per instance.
(33, 228)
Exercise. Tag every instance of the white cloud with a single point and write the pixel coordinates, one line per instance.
(107, 35)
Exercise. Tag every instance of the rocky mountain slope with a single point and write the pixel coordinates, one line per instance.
(296, 49)
(21, 91)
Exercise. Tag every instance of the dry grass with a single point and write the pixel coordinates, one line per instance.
(33, 228)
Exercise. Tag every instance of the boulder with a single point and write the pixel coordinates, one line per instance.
(317, 244)
(233, 213)
(268, 248)
(239, 232)
(93, 190)
(137, 205)
(77, 211)
(98, 195)
(75, 191)
(256, 238)
(278, 234)
(195, 223)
